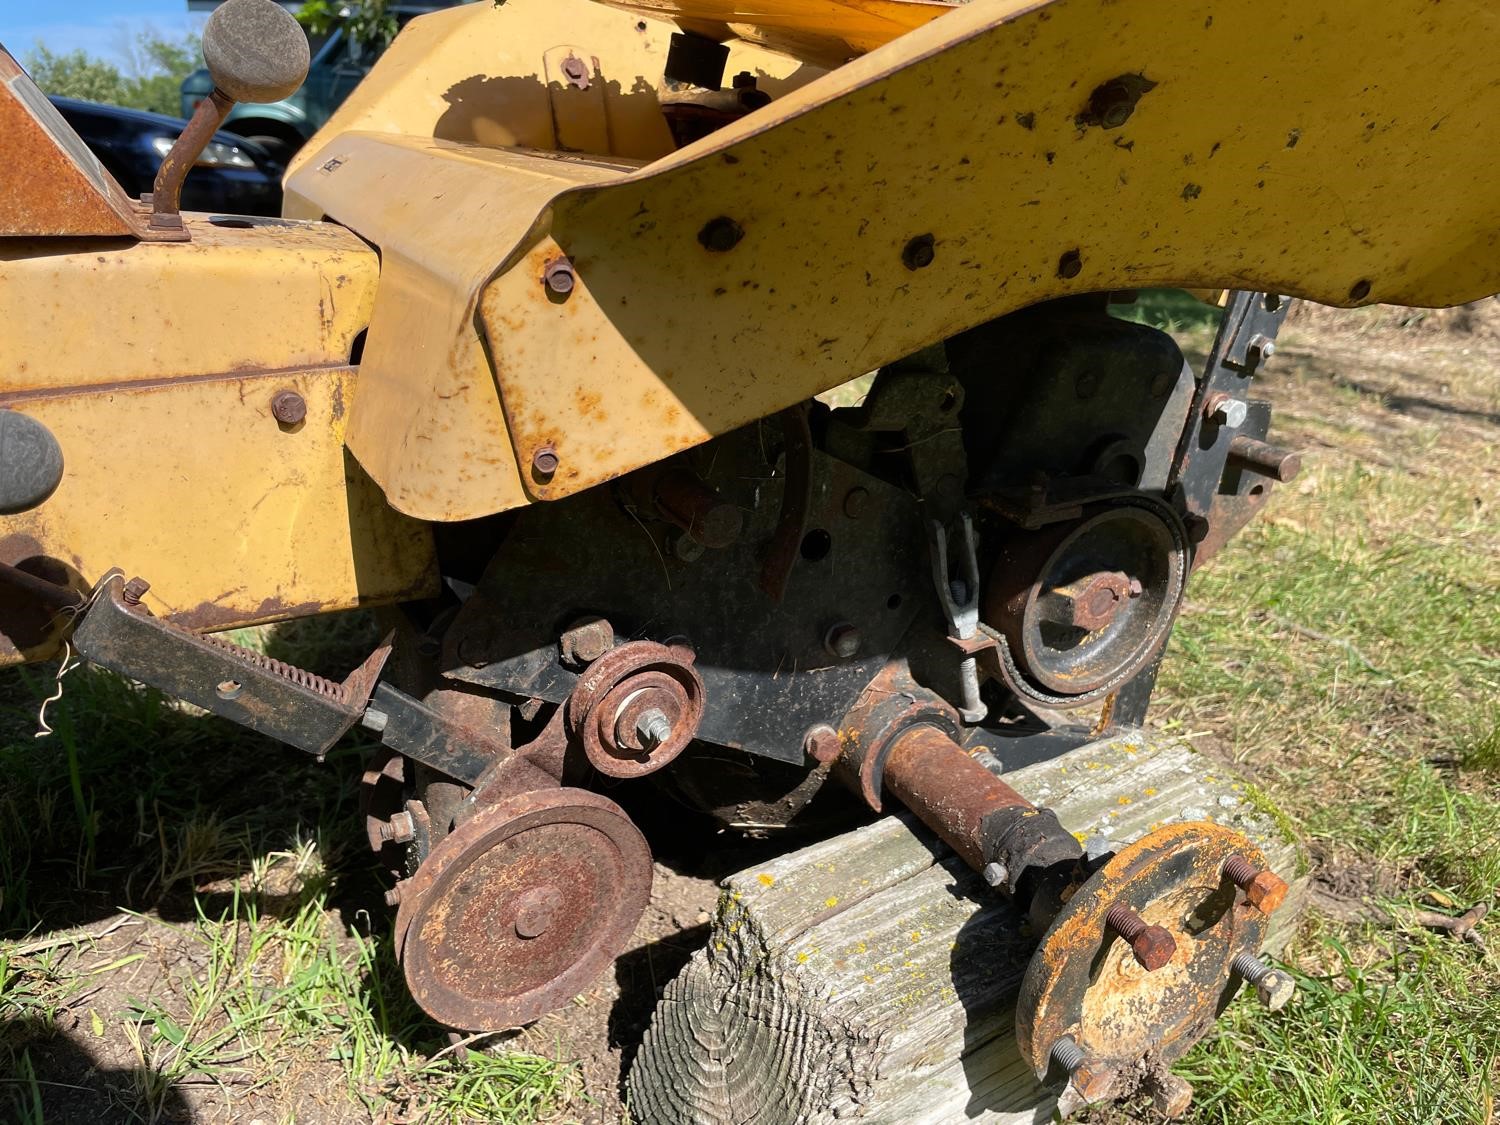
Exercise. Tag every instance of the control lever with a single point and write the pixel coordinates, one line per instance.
(256, 52)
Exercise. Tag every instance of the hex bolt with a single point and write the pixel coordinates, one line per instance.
(822, 744)
(1264, 888)
(1170, 1096)
(544, 461)
(919, 252)
(1070, 265)
(288, 407)
(399, 829)
(373, 720)
(653, 728)
(395, 894)
(1152, 946)
(558, 276)
(720, 234)
(1273, 987)
(1260, 347)
(586, 639)
(134, 591)
(1226, 410)
(576, 71)
(842, 640)
(536, 910)
(996, 875)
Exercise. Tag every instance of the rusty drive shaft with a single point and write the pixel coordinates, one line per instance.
(936, 778)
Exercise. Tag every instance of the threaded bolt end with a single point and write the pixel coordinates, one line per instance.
(1239, 870)
(1251, 967)
(1068, 1054)
(1126, 922)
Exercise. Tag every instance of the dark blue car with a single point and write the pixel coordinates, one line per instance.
(232, 175)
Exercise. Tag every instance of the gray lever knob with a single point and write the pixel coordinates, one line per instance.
(255, 50)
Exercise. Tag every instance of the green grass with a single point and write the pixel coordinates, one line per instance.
(1346, 650)
(244, 957)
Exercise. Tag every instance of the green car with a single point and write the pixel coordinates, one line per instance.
(338, 64)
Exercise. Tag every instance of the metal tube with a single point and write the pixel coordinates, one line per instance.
(49, 594)
(1266, 459)
(166, 193)
(936, 778)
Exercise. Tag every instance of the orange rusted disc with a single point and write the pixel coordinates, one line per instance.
(1085, 983)
(520, 907)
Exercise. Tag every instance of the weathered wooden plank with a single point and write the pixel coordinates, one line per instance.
(872, 976)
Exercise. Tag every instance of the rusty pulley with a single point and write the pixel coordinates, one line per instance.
(1140, 961)
(1084, 604)
(520, 907)
(637, 707)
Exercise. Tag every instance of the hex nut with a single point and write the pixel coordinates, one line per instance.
(842, 641)
(822, 745)
(1226, 410)
(1094, 1081)
(586, 640)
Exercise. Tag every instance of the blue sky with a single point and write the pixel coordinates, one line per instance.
(100, 27)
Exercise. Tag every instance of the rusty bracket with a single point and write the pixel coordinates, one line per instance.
(959, 597)
(417, 731)
(1246, 338)
(268, 696)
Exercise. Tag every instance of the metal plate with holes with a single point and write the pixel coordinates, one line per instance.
(766, 675)
(520, 907)
(1083, 981)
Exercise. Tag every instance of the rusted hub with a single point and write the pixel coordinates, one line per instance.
(1084, 604)
(636, 708)
(1086, 983)
(520, 907)
(537, 910)
(1092, 602)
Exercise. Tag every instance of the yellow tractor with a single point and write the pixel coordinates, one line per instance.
(540, 354)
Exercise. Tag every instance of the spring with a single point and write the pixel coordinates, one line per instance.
(289, 672)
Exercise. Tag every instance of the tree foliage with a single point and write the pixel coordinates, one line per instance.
(151, 78)
(368, 23)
